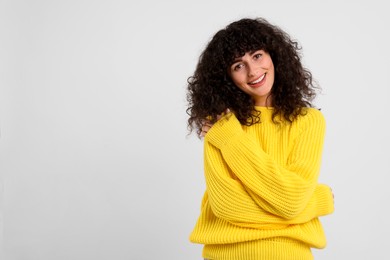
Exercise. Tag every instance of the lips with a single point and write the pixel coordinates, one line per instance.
(258, 82)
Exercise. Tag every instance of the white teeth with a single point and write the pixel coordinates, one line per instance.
(258, 80)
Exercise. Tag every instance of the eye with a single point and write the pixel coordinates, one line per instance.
(257, 55)
(237, 66)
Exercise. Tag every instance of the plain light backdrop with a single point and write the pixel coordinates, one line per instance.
(95, 161)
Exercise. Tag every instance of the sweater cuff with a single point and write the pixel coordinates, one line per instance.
(224, 130)
(325, 202)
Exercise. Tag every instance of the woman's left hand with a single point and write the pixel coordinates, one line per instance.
(206, 124)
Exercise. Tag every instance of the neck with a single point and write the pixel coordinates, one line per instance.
(264, 101)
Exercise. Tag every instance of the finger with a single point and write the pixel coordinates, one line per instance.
(206, 122)
(206, 128)
(203, 133)
(227, 111)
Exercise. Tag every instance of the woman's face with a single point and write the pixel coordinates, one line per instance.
(254, 74)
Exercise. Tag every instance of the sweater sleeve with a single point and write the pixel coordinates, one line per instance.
(286, 191)
(229, 198)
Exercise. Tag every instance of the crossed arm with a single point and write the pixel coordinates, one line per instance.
(247, 187)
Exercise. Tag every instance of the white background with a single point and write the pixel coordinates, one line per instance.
(95, 162)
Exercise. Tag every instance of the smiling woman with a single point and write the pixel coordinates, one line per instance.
(253, 73)
(250, 98)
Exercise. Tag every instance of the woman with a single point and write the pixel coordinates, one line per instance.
(251, 100)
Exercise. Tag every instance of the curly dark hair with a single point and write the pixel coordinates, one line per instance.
(211, 91)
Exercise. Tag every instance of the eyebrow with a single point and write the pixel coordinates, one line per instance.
(240, 58)
(237, 60)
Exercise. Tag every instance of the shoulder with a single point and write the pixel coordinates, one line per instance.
(311, 117)
(314, 113)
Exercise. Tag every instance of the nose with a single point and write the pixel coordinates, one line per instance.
(251, 70)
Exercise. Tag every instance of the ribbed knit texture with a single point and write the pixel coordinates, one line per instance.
(262, 195)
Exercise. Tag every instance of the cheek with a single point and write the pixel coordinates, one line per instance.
(238, 82)
(271, 64)
(268, 64)
(238, 79)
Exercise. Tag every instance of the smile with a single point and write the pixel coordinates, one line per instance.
(258, 82)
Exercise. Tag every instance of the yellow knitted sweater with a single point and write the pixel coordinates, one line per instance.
(262, 198)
